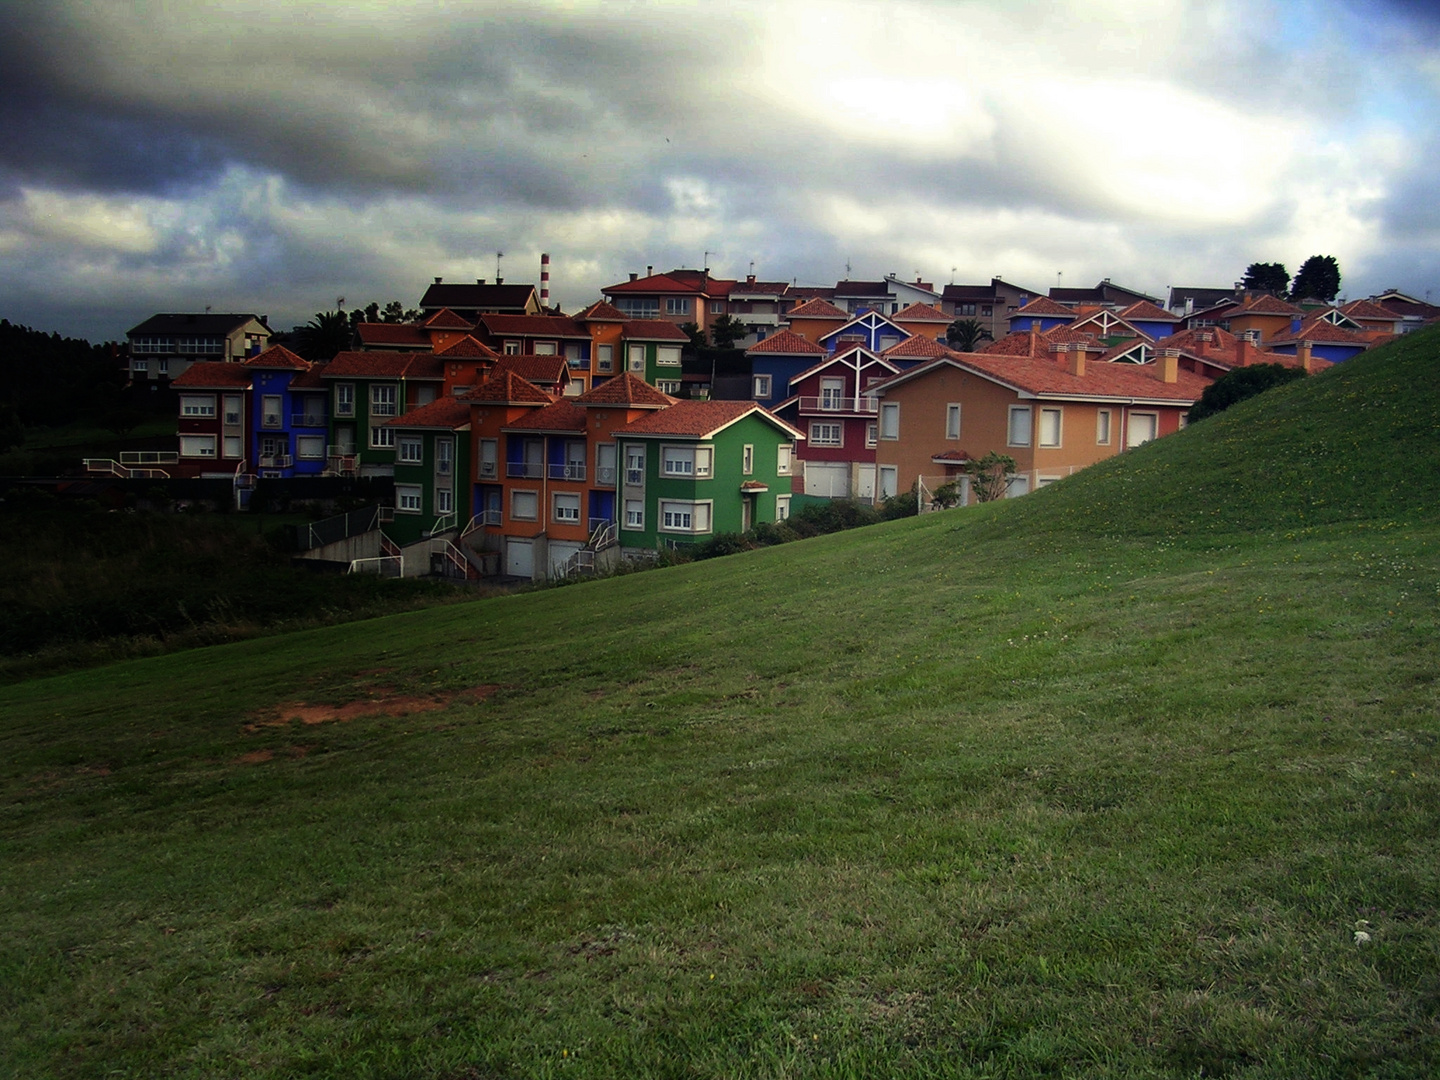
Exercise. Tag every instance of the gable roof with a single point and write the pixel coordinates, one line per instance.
(406, 335)
(1043, 305)
(818, 308)
(560, 326)
(1019, 343)
(860, 289)
(1263, 305)
(214, 374)
(600, 311)
(208, 323)
(839, 360)
(1148, 312)
(445, 412)
(1041, 377)
(922, 313)
(467, 348)
(786, 342)
(916, 348)
(384, 365)
(676, 281)
(653, 330)
(1322, 332)
(541, 370)
(278, 358)
(627, 390)
(477, 296)
(505, 387)
(562, 415)
(702, 419)
(445, 319)
(1368, 309)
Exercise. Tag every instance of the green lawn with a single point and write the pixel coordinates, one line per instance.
(1101, 781)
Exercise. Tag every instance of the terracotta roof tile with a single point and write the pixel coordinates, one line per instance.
(562, 415)
(1043, 305)
(787, 342)
(600, 311)
(1016, 344)
(308, 380)
(467, 348)
(1148, 312)
(214, 374)
(818, 308)
(915, 347)
(1264, 305)
(559, 326)
(478, 295)
(1322, 332)
(1368, 309)
(657, 283)
(278, 358)
(541, 370)
(384, 365)
(1044, 377)
(445, 412)
(445, 319)
(406, 334)
(697, 419)
(628, 390)
(922, 313)
(653, 330)
(505, 387)
(1066, 335)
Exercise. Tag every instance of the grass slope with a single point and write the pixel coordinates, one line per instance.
(1096, 782)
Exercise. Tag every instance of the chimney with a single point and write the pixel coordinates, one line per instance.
(479, 281)
(438, 280)
(1167, 365)
(1076, 361)
(1034, 335)
(544, 280)
(1189, 305)
(1304, 355)
(499, 281)
(749, 279)
(649, 271)
(633, 275)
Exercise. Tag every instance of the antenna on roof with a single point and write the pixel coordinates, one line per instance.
(339, 303)
(847, 269)
(952, 275)
(705, 261)
(207, 309)
(498, 256)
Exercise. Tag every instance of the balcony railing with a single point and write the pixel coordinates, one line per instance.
(307, 419)
(605, 475)
(444, 466)
(489, 517)
(276, 461)
(488, 470)
(599, 523)
(865, 405)
(270, 420)
(526, 470)
(578, 363)
(635, 477)
(569, 471)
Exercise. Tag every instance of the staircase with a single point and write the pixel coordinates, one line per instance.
(582, 563)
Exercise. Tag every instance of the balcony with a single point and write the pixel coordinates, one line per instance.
(571, 471)
(271, 420)
(524, 470)
(863, 406)
(605, 475)
(311, 419)
(276, 461)
(635, 477)
(489, 517)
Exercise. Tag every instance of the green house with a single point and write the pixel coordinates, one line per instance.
(699, 468)
(652, 349)
(432, 471)
(367, 391)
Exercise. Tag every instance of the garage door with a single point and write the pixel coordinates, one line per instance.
(520, 558)
(829, 480)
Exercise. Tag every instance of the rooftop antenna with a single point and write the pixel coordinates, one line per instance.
(847, 269)
(498, 256)
(339, 303)
(752, 267)
(952, 275)
(207, 307)
(705, 263)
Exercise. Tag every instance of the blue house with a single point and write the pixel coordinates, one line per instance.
(288, 413)
(870, 329)
(1044, 311)
(1319, 338)
(775, 361)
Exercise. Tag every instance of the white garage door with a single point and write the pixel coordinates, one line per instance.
(827, 479)
(520, 558)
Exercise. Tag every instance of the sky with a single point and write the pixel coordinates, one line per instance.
(268, 157)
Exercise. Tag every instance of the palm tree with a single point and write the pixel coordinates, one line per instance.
(325, 335)
(965, 334)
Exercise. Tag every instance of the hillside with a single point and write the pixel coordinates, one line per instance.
(1101, 781)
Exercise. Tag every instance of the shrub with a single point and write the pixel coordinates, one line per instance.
(1242, 383)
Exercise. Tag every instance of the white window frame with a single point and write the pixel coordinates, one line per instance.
(197, 405)
(1102, 427)
(316, 445)
(272, 411)
(667, 355)
(872, 435)
(672, 512)
(784, 458)
(634, 513)
(344, 399)
(889, 420)
(444, 456)
(952, 420)
(832, 394)
(489, 464)
(668, 386)
(605, 359)
(634, 465)
(384, 398)
(888, 481)
(1153, 417)
(545, 348)
(444, 501)
(382, 437)
(1049, 416)
(747, 459)
(410, 450)
(569, 514)
(197, 446)
(782, 507)
(409, 498)
(762, 388)
(819, 431)
(687, 462)
(234, 410)
(717, 307)
(534, 512)
(677, 305)
(1012, 426)
(233, 447)
(635, 358)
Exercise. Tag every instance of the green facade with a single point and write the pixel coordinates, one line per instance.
(429, 479)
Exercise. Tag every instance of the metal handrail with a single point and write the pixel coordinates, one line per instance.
(866, 405)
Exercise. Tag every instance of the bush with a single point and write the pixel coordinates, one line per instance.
(1242, 383)
(837, 515)
(905, 504)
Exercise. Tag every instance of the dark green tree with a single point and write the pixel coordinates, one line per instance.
(1267, 277)
(726, 330)
(965, 334)
(697, 336)
(396, 312)
(1239, 384)
(1318, 279)
(328, 333)
(990, 476)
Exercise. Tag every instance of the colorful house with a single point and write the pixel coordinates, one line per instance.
(1042, 314)
(214, 418)
(1261, 318)
(164, 346)
(815, 318)
(777, 360)
(290, 421)
(1151, 320)
(698, 468)
(871, 329)
(830, 403)
(923, 320)
(367, 390)
(653, 349)
(432, 470)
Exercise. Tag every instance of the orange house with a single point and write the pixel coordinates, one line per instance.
(814, 319)
(1266, 316)
(922, 320)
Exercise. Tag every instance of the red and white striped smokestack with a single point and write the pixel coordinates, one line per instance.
(544, 280)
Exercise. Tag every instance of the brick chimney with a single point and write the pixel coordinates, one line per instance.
(1034, 337)
(1167, 365)
(1305, 354)
(1075, 361)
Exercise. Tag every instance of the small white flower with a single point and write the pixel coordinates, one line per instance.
(1361, 937)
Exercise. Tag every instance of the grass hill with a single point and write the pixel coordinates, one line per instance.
(1101, 781)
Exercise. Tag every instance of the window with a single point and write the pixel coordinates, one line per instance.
(489, 459)
(524, 505)
(197, 446)
(889, 481)
(154, 345)
(762, 388)
(310, 447)
(1018, 433)
(270, 411)
(637, 358)
(512, 348)
(1049, 427)
(382, 438)
(686, 461)
(717, 307)
(444, 501)
(545, 348)
(232, 409)
(686, 517)
(747, 459)
(832, 393)
(424, 395)
(344, 399)
(164, 366)
(412, 450)
(139, 365)
(782, 507)
(197, 405)
(606, 355)
(987, 310)
(572, 354)
(634, 514)
(635, 465)
(605, 464)
(872, 434)
(783, 455)
(888, 341)
(1017, 486)
(890, 420)
(444, 456)
(407, 498)
(382, 399)
(647, 307)
(952, 421)
(677, 305)
(233, 446)
(1142, 428)
(199, 346)
(822, 434)
(668, 386)
(964, 309)
(668, 355)
(566, 507)
(1102, 427)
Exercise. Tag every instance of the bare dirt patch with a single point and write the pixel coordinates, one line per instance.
(382, 701)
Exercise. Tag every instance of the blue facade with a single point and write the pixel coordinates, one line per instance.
(781, 369)
(290, 426)
(1155, 330)
(1021, 322)
(1336, 353)
(878, 333)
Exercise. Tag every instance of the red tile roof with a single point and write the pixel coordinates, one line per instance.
(557, 326)
(505, 387)
(1368, 309)
(1321, 331)
(785, 342)
(445, 412)
(1202, 338)
(467, 348)
(1016, 344)
(278, 358)
(1045, 378)
(674, 282)
(214, 374)
(653, 330)
(915, 347)
(1148, 312)
(541, 370)
(818, 308)
(406, 334)
(627, 390)
(1043, 305)
(384, 365)
(700, 419)
(922, 313)
(562, 415)
(600, 311)
(445, 319)
(1263, 305)
(308, 380)
(1067, 335)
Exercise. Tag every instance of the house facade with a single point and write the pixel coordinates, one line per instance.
(163, 347)
(829, 402)
(432, 470)
(214, 422)
(367, 390)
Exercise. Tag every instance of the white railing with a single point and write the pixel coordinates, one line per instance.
(602, 534)
(605, 475)
(451, 561)
(149, 457)
(569, 471)
(276, 461)
(307, 420)
(443, 523)
(867, 405)
(110, 467)
(383, 565)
